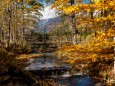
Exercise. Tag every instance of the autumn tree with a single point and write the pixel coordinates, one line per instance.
(17, 17)
(18, 13)
(97, 53)
(59, 5)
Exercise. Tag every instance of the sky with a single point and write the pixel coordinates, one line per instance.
(50, 13)
(86, 1)
(47, 12)
(42, 1)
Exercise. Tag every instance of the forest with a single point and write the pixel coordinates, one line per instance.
(80, 41)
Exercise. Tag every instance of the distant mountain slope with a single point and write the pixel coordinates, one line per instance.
(48, 24)
(49, 19)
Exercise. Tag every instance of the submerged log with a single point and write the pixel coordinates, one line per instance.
(50, 71)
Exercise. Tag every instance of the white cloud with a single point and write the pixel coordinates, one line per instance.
(48, 13)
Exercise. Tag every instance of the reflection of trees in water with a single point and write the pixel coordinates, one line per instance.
(17, 77)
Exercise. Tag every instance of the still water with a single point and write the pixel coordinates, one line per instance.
(63, 78)
(66, 79)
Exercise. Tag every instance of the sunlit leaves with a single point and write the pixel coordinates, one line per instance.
(98, 16)
(100, 49)
(28, 56)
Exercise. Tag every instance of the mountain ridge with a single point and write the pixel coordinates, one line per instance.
(48, 24)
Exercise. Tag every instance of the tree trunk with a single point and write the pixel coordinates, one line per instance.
(74, 38)
(9, 27)
(2, 35)
(114, 60)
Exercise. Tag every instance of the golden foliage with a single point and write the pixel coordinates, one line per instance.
(28, 56)
(97, 15)
(96, 54)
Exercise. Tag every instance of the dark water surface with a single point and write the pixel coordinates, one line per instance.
(74, 80)
(61, 80)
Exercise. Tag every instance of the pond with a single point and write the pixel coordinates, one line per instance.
(62, 79)
(46, 69)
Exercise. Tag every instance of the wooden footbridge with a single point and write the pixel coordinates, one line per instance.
(44, 47)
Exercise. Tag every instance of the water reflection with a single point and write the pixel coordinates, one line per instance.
(60, 74)
(74, 80)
